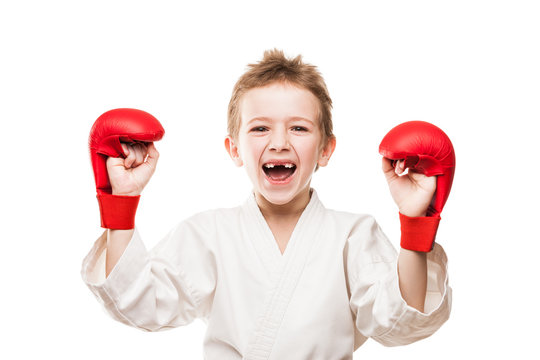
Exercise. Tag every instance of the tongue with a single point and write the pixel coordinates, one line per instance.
(279, 173)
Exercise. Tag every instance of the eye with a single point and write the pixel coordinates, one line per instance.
(258, 129)
(299, 128)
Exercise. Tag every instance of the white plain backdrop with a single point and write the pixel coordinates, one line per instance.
(470, 67)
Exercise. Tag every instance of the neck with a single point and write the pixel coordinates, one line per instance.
(294, 208)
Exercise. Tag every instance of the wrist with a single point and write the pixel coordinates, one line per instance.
(132, 193)
(412, 212)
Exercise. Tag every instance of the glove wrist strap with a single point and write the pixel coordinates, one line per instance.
(418, 233)
(118, 211)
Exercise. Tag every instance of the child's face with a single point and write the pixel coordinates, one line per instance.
(279, 141)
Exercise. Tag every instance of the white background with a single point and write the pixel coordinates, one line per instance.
(470, 67)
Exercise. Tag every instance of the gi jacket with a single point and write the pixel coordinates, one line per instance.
(335, 285)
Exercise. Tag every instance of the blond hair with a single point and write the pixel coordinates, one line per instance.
(275, 67)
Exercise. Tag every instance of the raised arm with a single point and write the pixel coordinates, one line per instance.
(412, 193)
(420, 196)
(128, 177)
(123, 159)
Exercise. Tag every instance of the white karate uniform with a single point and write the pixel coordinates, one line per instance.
(335, 285)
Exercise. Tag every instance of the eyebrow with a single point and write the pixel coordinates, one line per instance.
(292, 118)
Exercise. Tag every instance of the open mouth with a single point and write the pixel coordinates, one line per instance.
(279, 172)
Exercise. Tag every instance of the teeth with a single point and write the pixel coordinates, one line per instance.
(269, 166)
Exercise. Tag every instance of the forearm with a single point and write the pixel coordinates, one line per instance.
(117, 242)
(412, 271)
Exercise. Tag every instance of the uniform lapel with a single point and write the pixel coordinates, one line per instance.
(285, 270)
(261, 236)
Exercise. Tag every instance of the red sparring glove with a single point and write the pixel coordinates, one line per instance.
(109, 130)
(425, 149)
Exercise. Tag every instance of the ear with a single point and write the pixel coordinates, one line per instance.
(327, 151)
(232, 149)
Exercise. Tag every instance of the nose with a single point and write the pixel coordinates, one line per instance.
(279, 140)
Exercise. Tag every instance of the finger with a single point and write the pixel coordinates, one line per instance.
(140, 155)
(399, 167)
(130, 158)
(125, 149)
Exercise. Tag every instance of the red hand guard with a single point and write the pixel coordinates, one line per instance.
(428, 150)
(108, 132)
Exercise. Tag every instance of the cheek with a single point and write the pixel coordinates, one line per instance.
(252, 149)
(308, 150)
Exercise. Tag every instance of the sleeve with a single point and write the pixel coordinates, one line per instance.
(375, 298)
(167, 287)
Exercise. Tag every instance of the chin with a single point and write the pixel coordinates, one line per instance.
(278, 197)
(281, 200)
(282, 196)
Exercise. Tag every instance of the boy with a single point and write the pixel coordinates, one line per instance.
(279, 277)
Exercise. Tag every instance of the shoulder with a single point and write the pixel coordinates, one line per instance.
(211, 223)
(352, 222)
(364, 236)
(211, 219)
(200, 230)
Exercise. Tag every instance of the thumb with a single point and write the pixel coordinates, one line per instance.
(153, 155)
(113, 162)
(389, 170)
